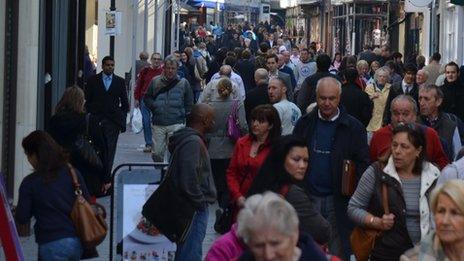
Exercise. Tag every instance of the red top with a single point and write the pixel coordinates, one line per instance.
(381, 141)
(243, 168)
(144, 80)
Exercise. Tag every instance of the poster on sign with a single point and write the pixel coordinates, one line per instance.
(142, 241)
(8, 234)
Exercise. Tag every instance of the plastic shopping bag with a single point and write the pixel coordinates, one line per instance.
(136, 121)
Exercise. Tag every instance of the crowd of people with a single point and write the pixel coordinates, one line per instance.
(273, 130)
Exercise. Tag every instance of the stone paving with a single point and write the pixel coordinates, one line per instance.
(129, 150)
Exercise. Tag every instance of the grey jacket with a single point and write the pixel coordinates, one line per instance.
(219, 145)
(190, 167)
(288, 84)
(170, 107)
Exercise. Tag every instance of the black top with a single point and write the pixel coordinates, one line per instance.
(246, 69)
(357, 103)
(256, 96)
(50, 203)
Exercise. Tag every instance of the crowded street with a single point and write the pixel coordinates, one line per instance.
(190, 130)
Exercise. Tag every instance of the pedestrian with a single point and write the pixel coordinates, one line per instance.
(421, 78)
(169, 100)
(453, 91)
(335, 65)
(141, 63)
(48, 195)
(304, 68)
(445, 243)
(220, 146)
(106, 99)
(455, 170)
(404, 111)
(191, 172)
(250, 152)
(257, 96)
(283, 172)
(234, 77)
(336, 140)
(245, 68)
(378, 93)
(273, 70)
(210, 92)
(289, 113)
(395, 77)
(70, 126)
(433, 68)
(141, 86)
(285, 69)
(409, 178)
(269, 226)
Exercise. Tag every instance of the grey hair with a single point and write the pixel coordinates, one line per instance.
(171, 59)
(262, 74)
(329, 79)
(425, 72)
(404, 97)
(439, 92)
(454, 189)
(267, 210)
(383, 69)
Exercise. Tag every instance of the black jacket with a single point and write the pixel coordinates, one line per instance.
(395, 90)
(112, 104)
(453, 101)
(350, 143)
(246, 69)
(254, 97)
(307, 93)
(357, 103)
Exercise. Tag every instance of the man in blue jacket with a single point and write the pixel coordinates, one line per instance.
(333, 136)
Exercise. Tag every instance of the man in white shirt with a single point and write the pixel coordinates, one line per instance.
(295, 57)
(235, 78)
(289, 113)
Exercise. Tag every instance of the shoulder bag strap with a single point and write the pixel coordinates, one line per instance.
(386, 209)
(76, 185)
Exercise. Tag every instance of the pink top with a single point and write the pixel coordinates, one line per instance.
(227, 247)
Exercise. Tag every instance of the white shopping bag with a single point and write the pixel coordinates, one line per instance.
(136, 121)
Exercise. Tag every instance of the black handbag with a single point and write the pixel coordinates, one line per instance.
(170, 212)
(86, 151)
(224, 221)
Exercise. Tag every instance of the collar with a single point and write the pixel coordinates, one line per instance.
(105, 75)
(334, 118)
(276, 74)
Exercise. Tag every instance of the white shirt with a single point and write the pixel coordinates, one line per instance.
(304, 70)
(409, 87)
(289, 114)
(235, 78)
(334, 118)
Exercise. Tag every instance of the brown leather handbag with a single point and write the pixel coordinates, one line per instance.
(363, 239)
(349, 180)
(89, 220)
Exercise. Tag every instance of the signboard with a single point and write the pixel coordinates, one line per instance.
(413, 6)
(113, 23)
(8, 234)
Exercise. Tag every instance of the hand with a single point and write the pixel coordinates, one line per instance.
(136, 104)
(241, 202)
(386, 222)
(105, 187)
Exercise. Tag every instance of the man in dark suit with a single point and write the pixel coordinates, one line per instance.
(257, 95)
(106, 98)
(273, 69)
(407, 86)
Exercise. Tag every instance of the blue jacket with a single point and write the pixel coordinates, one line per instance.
(169, 107)
(350, 143)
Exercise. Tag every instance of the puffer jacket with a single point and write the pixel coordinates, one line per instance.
(169, 107)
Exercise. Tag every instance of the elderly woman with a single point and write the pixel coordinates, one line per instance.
(269, 227)
(378, 92)
(409, 179)
(283, 172)
(447, 241)
(363, 70)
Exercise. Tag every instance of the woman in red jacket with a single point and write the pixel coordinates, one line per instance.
(251, 150)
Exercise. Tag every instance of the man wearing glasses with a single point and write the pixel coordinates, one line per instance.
(141, 87)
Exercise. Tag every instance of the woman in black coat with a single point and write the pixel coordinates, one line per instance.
(72, 128)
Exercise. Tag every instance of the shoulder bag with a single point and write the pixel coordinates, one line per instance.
(363, 239)
(85, 149)
(233, 123)
(89, 221)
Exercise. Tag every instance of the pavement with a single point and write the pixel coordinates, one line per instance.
(129, 149)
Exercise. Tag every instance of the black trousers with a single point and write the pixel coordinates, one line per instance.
(111, 134)
(219, 168)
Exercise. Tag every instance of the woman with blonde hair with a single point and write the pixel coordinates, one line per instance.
(447, 241)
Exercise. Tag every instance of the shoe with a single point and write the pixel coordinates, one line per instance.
(147, 149)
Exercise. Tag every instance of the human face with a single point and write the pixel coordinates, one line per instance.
(328, 98)
(382, 78)
(375, 66)
(269, 244)
(451, 73)
(409, 77)
(362, 70)
(260, 128)
(183, 57)
(421, 77)
(156, 60)
(281, 61)
(177, 55)
(275, 90)
(304, 56)
(286, 56)
(449, 221)
(403, 151)
(338, 57)
(33, 161)
(296, 162)
(295, 52)
(402, 112)
(108, 67)
(170, 70)
(271, 65)
(428, 102)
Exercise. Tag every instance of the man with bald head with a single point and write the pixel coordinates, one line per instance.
(257, 95)
(336, 140)
(210, 92)
(231, 61)
(190, 174)
(404, 111)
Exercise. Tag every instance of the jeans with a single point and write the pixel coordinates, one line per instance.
(325, 206)
(146, 122)
(160, 137)
(68, 249)
(191, 248)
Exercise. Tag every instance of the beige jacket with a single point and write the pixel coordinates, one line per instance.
(379, 105)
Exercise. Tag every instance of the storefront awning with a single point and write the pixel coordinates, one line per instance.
(212, 4)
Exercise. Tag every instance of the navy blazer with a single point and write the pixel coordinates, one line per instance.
(112, 105)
